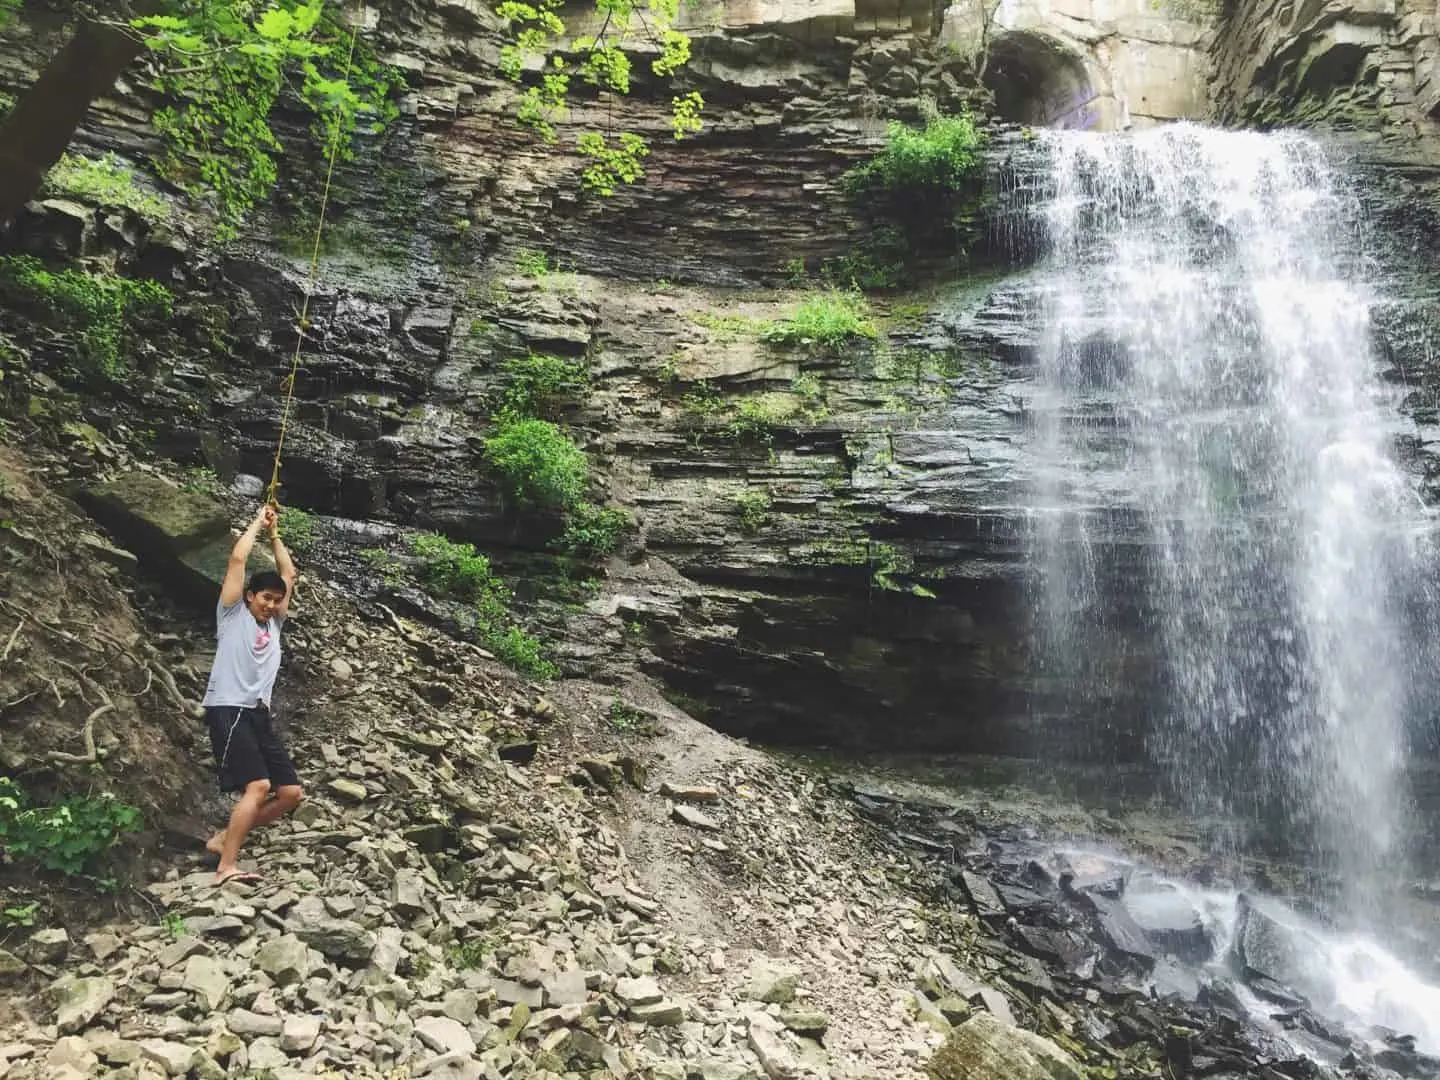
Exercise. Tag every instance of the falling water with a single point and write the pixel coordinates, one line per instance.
(1209, 404)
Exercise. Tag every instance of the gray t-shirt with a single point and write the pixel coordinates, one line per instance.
(247, 658)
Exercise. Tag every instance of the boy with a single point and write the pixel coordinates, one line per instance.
(249, 756)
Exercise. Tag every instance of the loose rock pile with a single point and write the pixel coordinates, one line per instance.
(484, 883)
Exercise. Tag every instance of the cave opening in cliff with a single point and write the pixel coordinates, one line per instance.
(1038, 81)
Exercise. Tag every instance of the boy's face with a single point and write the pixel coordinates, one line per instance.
(262, 604)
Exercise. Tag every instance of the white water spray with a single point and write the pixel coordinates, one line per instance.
(1208, 379)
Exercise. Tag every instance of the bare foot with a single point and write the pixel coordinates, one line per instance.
(216, 844)
(234, 873)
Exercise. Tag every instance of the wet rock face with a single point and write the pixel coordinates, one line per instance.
(1352, 64)
(1219, 983)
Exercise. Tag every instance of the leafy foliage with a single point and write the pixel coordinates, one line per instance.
(593, 530)
(104, 308)
(224, 67)
(942, 156)
(602, 62)
(753, 506)
(106, 181)
(456, 571)
(540, 465)
(299, 529)
(537, 385)
(824, 320)
(926, 183)
(68, 836)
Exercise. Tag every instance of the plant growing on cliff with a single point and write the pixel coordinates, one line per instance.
(539, 464)
(824, 321)
(106, 181)
(68, 836)
(105, 309)
(456, 571)
(753, 507)
(592, 530)
(602, 61)
(537, 385)
(222, 67)
(926, 181)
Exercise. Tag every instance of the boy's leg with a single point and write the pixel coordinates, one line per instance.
(284, 780)
(242, 820)
(241, 767)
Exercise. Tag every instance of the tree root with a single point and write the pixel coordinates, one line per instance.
(14, 635)
(91, 755)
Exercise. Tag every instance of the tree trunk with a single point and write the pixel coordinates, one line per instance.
(44, 120)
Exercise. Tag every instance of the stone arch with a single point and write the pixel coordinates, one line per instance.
(1038, 81)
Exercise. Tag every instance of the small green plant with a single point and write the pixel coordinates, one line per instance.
(724, 328)
(626, 718)
(592, 530)
(531, 263)
(824, 320)
(941, 157)
(922, 192)
(455, 571)
(522, 651)
(106, 181)
(466, 955)
(753, 506)
(106, 309)
(756, 418)
(299, 529)
(539, 464)
(536, 385)
(69, 836)
(795, 271)
(386, 565)
(704, 400)
(174, 924)
(19, 915)
(200, 480)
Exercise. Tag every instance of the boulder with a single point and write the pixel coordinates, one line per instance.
(182, 537)
(985, 1048)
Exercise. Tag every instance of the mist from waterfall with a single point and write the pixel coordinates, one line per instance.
(1208, 399)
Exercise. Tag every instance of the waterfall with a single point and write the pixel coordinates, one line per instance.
(1218, 446)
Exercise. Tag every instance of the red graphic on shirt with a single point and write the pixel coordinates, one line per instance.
(262, 638)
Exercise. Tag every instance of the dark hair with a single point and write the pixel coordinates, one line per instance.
(262, 580)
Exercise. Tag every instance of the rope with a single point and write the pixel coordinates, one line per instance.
(304, 322)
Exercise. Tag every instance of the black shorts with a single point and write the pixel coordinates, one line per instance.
(247, 748)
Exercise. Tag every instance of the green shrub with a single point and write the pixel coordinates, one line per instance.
(704, 400)
(927, 183)
(456, 571)
(299, 529)
(453, 570)
(753, 506)
(756, 418)
(940, 158)
(69, 836)
(531, 263)
(105, 308)
(537, 384)
(824, 320)
(523, 652)
(593, 530)
(539, 464)
(105, 181)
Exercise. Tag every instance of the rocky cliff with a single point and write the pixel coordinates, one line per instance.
(873, 593)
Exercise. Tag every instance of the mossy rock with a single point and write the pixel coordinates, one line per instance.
(182, 538)
(986, 1048)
